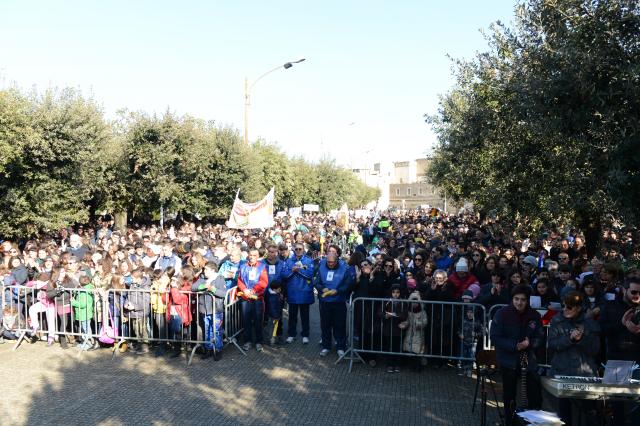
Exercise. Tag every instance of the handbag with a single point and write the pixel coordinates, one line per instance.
(108, 334)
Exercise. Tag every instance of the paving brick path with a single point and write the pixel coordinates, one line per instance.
(288, 385)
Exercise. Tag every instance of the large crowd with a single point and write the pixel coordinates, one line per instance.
(399, 259)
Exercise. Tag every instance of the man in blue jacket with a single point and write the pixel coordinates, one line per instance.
(516, 332)
(275, 270)
(333, 282)
(298, 276)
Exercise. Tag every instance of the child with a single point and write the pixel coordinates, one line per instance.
(9, 324)
(275, 304)
(469, 333)
(210, 291)
(393, 313)
(414, 328)
(83, 310)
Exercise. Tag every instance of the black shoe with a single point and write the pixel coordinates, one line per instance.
(217, 355)
(63, 343)
(208, 353)
(33, 338)
(176, 353)
(159, 351)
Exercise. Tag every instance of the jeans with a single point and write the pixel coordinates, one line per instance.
(175, 327)
(252, 320)
(85, 329)
(212, 327)
(161, 324)
(333, 322)
(293, 319)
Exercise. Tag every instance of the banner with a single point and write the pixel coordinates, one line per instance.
(342, 221)
(252, 215)
(295, 211)
(311, 207)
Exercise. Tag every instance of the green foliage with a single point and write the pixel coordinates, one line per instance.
(543, 127)
(61, 163)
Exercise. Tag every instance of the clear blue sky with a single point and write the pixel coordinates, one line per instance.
(378, 65)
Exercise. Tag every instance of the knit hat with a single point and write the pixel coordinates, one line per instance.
(462, 265)
(467, 294)
(531, 261)
(475, 289)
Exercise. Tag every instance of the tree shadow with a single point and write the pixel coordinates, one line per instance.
(285, 386)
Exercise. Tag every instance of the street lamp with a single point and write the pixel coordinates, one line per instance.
(247, 94)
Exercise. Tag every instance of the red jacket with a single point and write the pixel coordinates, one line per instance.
(179, 299)
(460, 285)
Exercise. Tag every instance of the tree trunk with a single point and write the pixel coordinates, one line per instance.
(120, 221)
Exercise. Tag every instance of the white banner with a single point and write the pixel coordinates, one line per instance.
(311, 208)
(295, 211)
(252, 215)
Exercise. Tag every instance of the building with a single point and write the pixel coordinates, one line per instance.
(403, 185)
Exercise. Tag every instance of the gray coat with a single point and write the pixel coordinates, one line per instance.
(574, 358)
(140, 299)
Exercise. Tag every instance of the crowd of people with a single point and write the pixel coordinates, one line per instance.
(171, 284)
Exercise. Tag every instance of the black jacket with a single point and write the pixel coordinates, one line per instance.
(621, 343)
(510, 327)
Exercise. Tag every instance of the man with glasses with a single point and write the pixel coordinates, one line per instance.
(620, 322)
(298, 276)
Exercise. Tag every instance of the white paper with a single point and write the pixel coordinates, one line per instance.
(535, 302)
(252, 274)
(272, 269)
(329, 276)
(610, 296)
(539, 417)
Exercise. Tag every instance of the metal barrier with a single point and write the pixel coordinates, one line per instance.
(233, 326)
(544, 358)
(67, 313)
(441, 330)
(116, 316)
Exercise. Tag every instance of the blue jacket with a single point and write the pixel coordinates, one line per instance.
(275, 271)
(510, 327)
(299, 284)
(334, 279)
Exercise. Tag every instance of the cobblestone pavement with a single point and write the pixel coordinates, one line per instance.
(286, 385)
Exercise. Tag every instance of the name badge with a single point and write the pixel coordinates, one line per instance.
(330, 276)
(610, 296)
(272, 269)
(252, 274)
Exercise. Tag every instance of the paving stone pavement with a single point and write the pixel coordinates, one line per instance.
(286, 385)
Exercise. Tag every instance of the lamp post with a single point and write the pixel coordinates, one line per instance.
(247, 94)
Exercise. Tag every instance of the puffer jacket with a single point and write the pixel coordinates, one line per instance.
(510, 327)
(414, 332)
(574, 358)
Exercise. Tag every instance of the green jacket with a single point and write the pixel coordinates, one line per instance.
(83, 303)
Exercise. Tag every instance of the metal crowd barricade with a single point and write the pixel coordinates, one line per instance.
(28, 312)
(386, 326)
(135, 319)
(233, 325)
(492, 312)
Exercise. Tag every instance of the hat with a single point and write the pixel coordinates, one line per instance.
(475, 289)
(530, 260)
(462, 265)
(467, 294)
(396, 286)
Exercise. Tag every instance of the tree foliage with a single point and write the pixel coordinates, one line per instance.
(62, 162)
(544, 126)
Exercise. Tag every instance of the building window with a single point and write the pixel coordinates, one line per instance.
(420, 190)
(398, 192)
(409, 191)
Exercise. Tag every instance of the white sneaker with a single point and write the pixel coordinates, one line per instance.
(246, 346)
(340, 353)
(258, 347)
(324, 352)
(290, 339)
(305, 340)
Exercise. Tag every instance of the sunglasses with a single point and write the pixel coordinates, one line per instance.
(299, 249)
(634, 292)
(388, 265)
(418, 259)
(570, 308)
(476, 255)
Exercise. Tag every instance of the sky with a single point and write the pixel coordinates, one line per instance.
(372, 68)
